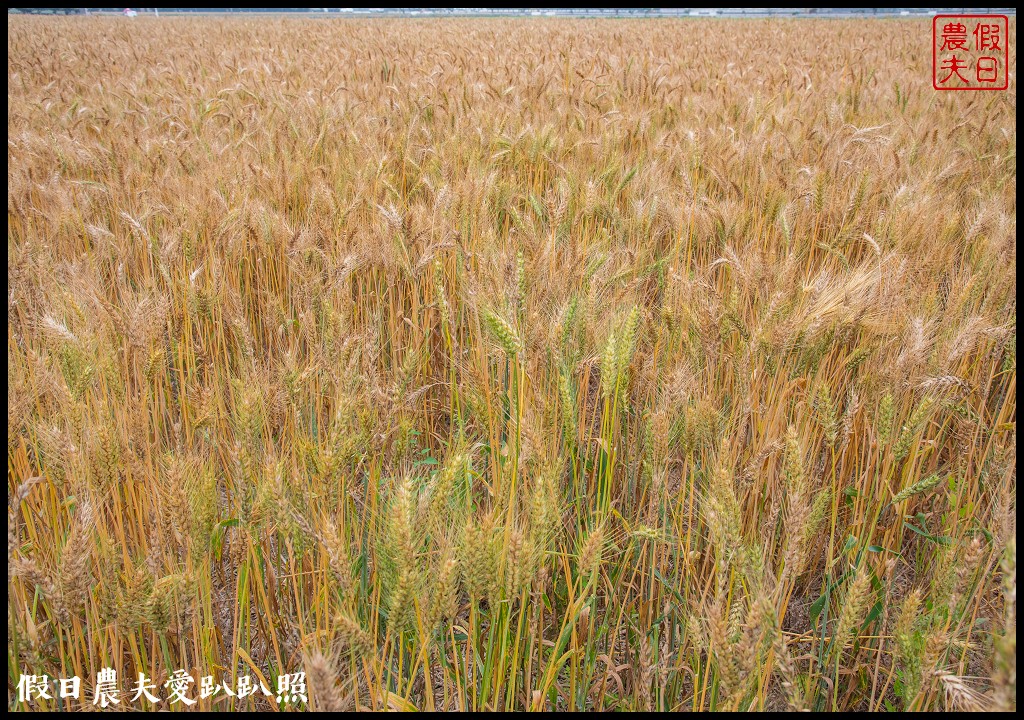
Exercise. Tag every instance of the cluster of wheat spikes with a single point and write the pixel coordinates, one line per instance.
(502, 365)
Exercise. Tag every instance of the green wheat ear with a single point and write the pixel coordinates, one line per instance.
(504, 333)
(923, 485)
(567, 402)
(609, 368)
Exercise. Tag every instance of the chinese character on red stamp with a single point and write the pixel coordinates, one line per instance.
(970, 52)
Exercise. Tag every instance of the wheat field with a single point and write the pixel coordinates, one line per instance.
(500, 365)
